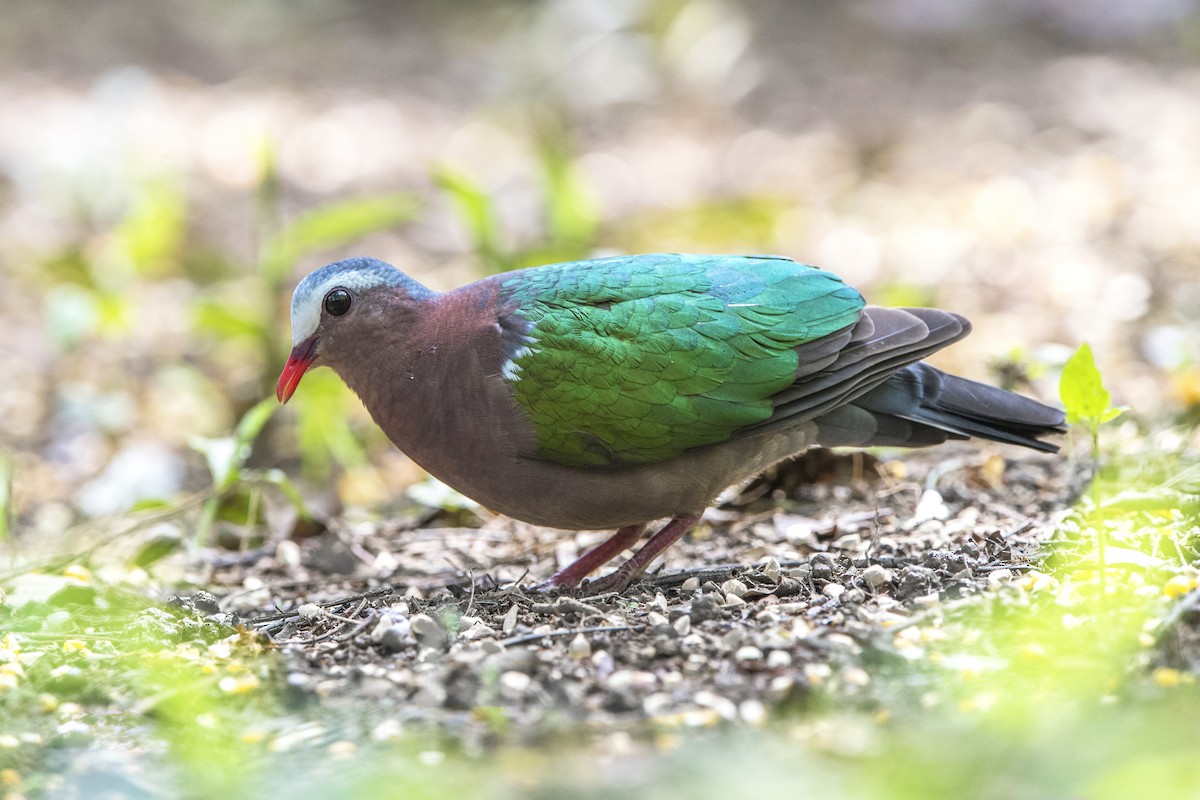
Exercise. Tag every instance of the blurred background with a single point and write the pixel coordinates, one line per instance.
(169, 169)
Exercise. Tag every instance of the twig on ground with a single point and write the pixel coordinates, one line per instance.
(534, 637)
(368, 595)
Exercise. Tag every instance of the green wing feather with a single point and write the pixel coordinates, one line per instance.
(636, 359)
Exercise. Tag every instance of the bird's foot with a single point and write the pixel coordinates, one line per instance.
(573, 574)
(620, 578)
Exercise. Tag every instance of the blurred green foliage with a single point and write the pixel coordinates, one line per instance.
(6, 468)
(1087, 402)
(570, 219)
(1040, 687)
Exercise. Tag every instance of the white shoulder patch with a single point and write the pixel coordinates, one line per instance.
(511, 369)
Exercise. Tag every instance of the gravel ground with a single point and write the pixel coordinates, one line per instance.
(805, 578)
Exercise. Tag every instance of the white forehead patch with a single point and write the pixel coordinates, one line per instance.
(355, 274)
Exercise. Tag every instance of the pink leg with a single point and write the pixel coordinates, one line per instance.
(570, 575)
(623, 575)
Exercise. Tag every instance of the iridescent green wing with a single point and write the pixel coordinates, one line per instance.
(637, 359)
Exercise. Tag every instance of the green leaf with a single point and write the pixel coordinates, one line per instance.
(252, 422)
(152, 233)
(339, 223)
(158, 548)
(226, 456)
(218, 454)
(6, 472)
(1082, 390)
(335, 225)
(570, 205)
(280, 480)
(323, 425)
(215, 316)
(477, 213)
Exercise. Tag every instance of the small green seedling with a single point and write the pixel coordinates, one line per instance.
(6, 471)
(227, 457)
(1089, 403)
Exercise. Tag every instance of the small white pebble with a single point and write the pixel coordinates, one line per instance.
(833, 590)
(930, 506)
(683, 625)
(656, 703)
(734, 587)
(510, 620)
(691, 584)
(514, 683)
(999, 577)
(799, 533)
(287, 553)
(771, 570)
(603, 663)
(380, 628)
(856, 676)
(309, 610)
(748, 654)
(723, 706)
(779, 659)
(579, 647)
(876, 575)
(851, 541)
(734, 600)
(386, 731)
(752, 712)
(428, 631)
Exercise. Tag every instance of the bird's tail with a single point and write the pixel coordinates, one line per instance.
(920, 405)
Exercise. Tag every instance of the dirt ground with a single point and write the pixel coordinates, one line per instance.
(795, 582)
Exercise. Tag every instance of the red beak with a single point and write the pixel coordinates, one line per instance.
(302, 357)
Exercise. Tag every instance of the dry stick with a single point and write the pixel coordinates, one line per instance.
(359, 627)
(471, 599)
(369, 595)
(534, 637)
(346, 622)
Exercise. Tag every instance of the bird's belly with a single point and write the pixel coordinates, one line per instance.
(576, 498)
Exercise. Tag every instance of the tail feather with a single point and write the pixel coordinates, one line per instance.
(935, 404)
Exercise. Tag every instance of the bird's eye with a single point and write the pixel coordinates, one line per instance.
(337, 302)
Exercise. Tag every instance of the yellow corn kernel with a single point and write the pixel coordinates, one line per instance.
(241, 684)
(1167, 677)
(79, 572)
(253, 736)
(1179, 585)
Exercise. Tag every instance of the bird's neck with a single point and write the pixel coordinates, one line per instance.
(435, 388)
